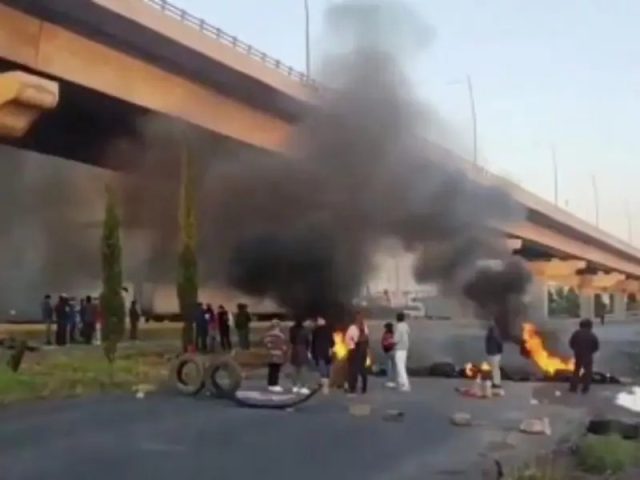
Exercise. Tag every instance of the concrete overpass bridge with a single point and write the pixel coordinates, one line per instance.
(95, 67)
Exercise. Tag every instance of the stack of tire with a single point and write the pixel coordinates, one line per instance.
(207, 374)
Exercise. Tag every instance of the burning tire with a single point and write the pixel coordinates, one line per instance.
(187, 373)
(223, 378)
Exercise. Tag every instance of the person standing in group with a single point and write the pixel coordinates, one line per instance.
(401, 351)
(585, 345)
(243, 326)
(72, 319)
(46, 314)
(210, 317)
(276, 343)
(300, 344)
(388, 348)
(357, 339)
(321, 348)
(224, 328)
(134, 320)
(60, 311)
(493, 348)
(88, 320)
(201, 327)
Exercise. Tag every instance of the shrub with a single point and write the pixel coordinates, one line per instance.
(609, 454)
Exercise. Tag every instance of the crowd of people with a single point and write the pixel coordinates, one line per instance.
(75, 322)
(213, 327)
(309, 348)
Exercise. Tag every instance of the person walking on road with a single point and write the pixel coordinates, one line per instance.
(243, 325)
(585, 345)
(357, 339)
(388, 345)
(300, 358)
(401, 340)
(46, 314)
(321, 348)
(493, 349)
(276, 344)
(134, 320)
(224, 328)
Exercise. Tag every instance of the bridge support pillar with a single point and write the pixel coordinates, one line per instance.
(620, 306)
(539, 300)
(587, 305)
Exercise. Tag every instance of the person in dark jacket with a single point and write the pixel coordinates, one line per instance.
(202, 327)
(88, 318)
(134, 320)
(60, 311)
(300, 341)
(46, 313)
(224, 329)
(321, 350)
(585, 345)
(276, 343)
(243, 324)
(210, 316)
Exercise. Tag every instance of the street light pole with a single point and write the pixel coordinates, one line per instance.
(596, 199)
(555, 174)
(629, 223)
(307, 43)
(472, 103)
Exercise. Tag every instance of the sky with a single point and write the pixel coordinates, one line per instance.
(544, 73)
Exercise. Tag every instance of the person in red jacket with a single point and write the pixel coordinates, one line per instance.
(276, 343)
(388, 347)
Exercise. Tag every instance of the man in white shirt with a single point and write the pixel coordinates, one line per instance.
(401, 339)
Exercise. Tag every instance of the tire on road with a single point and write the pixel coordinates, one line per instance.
(185, 387)
(213, 380)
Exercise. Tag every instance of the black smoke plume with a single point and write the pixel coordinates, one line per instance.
(302, 229)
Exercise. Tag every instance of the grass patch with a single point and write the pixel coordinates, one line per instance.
(544, 468)
(67, 374)
(610, 454)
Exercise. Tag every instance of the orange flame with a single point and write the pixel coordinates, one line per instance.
(534, 345)
(340, 348)
(473, 371)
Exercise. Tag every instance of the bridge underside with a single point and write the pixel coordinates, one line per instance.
(86, 122)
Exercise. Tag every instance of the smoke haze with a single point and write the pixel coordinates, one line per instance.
(303, 229)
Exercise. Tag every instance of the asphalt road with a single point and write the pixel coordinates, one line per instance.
(165, 436)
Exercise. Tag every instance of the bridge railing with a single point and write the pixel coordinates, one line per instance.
(206, 28)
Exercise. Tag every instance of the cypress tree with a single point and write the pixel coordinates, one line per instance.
(187, 282)
(111, 300)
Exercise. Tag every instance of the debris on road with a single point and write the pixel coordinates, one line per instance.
(461, 419)
(535, 426)
(360, 409)
(393, 416)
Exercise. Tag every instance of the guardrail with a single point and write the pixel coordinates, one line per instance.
(206, 28)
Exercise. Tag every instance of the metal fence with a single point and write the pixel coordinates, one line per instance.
(206, 28)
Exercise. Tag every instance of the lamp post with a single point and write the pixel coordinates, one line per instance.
(596, 199)
(307, 42)
(472, 103)
(555, 174)
(629, 223)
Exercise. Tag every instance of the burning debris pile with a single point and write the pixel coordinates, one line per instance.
(551, 368)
